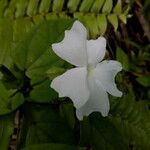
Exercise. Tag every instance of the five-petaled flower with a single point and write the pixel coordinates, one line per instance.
(87, 84)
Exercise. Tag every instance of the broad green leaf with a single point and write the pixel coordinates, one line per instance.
(50, 146)
(97, 6)
(9, 100)
(21, 26)
(43, 93)
(113, 20)
(45, 125)
(102, 23)
(5, 41)
(144, 80)
(86, 5)
(6, 130)
(123, 58)
(118, 8)
(107, 6)
(67, 112)
(85, 132)
(108, 131)
(54, 72)
(35, 54)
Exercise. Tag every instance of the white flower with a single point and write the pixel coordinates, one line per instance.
(87, 84)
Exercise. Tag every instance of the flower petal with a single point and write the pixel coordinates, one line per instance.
(105, 73)
(73, 84)
(98, 101)
(96, 50)
(73, 47)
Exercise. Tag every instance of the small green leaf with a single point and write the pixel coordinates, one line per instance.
(32, 7)
(3, 5)
(10, 10)
(107, 6)
(21, 7)
(144, 80)
(57, 5)
(86, 5)
(123, 18)
(97, 6)
(91, 23)
(45, 6)
(113, 20)
(118, 8)
(73, 5)
(123, 58)
(102, 23)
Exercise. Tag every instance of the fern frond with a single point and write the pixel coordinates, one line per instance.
(84, 10)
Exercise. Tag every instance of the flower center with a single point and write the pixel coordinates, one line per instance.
(90, 69)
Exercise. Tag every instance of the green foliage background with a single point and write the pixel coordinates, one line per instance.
(31, 115)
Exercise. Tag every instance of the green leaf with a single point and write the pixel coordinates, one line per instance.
(97, 6)
(107, 6)
(102, 23)
(113, 20)
(5, 41)
(118, 8)
(57, 5)
(85, 132)
(54, 72)
(67, 112)
(9, 101)
(131, 118)
(144, 80)
(6, 130)
(10, 9)
(43, 93)
(123, 18)
(21, 26)
(108, 131)
(86, 5)
(21, 6)
(35, 54)
(3, 5)
(73, 4)
(50, 146)
(32, 7)
(44, 125)
(123, 58)
(44, 6)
